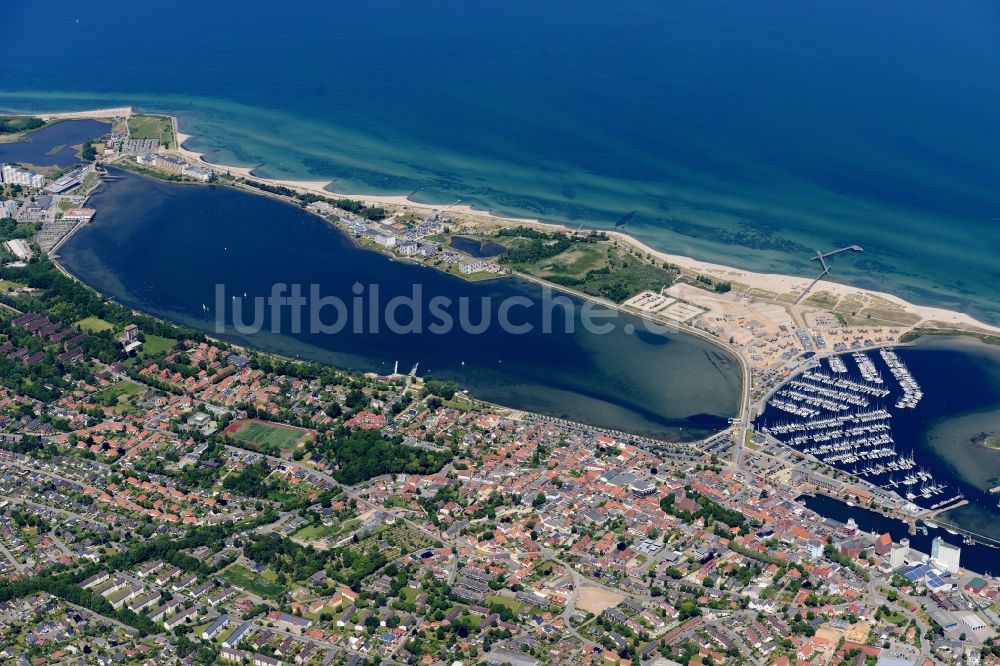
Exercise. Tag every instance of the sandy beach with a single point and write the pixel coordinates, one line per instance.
(94, 114)
(789, 284)
(764, 284)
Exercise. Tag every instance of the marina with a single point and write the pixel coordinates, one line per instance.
(911, 390)
(842, 415)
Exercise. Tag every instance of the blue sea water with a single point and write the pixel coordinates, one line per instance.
(745, 133)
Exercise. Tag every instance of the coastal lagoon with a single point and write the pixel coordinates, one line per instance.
(163, 248)
(54, 145)
(962, 379)
(749, 135)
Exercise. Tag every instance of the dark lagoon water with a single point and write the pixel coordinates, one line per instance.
(963, 381)
(163, 248)
(477, 247)
(960, 378)
(977, 557)
(53, 145)
(745, 133)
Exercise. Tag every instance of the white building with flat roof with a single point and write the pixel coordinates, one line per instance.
(945, 555)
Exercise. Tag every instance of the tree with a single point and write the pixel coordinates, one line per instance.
(444, 390)
(88, 152)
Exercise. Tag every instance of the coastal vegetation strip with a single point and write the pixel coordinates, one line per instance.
(355, 206)
(591, 263)
(152, 127)
(931, 329)
(19, 124)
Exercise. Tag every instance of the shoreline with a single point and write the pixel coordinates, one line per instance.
(773, 287)
(776, 284)
(715, 270)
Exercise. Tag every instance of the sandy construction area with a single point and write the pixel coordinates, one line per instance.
(597, 600)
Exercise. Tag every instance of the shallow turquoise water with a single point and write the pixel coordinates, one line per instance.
(781, 127)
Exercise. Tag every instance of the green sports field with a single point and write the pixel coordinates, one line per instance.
(266, 434)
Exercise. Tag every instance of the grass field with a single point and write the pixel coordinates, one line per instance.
(509, 602)
(94, 325)
(269, 434)
(89, 180)
(575, 262)
(151, 127)
(111, 394)
(471, 277)
(597, 268)
(7, 285)
(260, 584)
(155, 344)
(317, 532)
